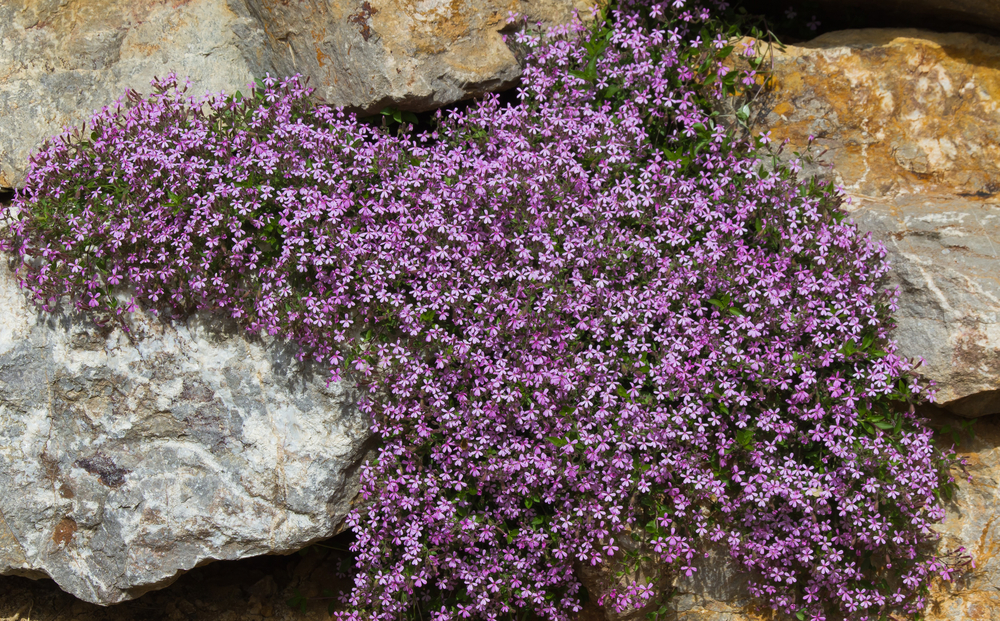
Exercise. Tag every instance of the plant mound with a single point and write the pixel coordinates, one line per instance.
(588, 323)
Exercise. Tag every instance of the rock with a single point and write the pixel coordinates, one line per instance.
(945, 253)
(125, 463)
(910, 121)
(59, 61)
(971, 523)
(900, 111)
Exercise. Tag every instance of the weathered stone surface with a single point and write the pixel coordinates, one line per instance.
(910, 121)
(900, 111)
(123, 464)
(415, 54)
(945, 253)
(972, 523)
(60, 60)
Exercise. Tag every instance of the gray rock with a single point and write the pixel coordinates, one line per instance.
(945, 254)
(59, 61)
(124, 463)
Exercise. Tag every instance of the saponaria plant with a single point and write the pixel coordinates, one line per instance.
(590, 325)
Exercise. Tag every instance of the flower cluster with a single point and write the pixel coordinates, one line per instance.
(587, 323)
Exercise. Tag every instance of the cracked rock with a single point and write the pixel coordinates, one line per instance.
(124, 463)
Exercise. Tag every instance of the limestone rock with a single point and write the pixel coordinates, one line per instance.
(900, 111)
(910, 121)
(124, 464)
(945, 253)
(60, 60)
(971, 523)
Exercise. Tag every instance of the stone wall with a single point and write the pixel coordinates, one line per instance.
(101, 434)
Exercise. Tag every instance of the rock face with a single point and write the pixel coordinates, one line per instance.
(971, 523)
(947, 267)
(123, 464)
(910, 121)
(59, 61)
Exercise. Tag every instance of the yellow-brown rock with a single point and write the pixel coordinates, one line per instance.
(973, 523)
(901, 111)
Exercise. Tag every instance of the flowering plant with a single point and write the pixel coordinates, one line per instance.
(586, 323)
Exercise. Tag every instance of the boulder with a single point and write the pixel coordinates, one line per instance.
(127, 459)
(910, 124)
(59, 61)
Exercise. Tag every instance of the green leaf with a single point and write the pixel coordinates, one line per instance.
(745, 436)
(559, 442)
